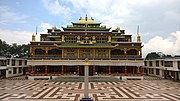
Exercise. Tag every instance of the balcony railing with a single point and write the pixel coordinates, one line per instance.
(113, 57)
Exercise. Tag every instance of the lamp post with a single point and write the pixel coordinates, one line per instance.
(86, 78)
(86, 81)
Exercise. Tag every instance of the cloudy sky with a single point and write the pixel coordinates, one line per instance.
(159, 20)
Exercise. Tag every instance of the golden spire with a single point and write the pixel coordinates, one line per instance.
(86, 25)
(118, 28)
(53, 28)
(33, 37)
(138, 37)
(80, 18)
(86, 17)
(62, 38)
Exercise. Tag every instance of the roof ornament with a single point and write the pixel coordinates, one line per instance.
(86, 17)
(36, 29)
(33, 37)
(53, 28)
(92, 18)
(86, 25)
(138, 37)
(118, 28)
(138, 30)
(80, 18)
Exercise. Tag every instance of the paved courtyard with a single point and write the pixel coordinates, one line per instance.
(150, 89)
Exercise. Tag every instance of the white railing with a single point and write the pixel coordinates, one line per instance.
(90, 62)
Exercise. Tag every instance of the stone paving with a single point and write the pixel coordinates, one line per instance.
(136, 90)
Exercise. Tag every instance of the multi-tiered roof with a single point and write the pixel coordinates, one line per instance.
(87, 24)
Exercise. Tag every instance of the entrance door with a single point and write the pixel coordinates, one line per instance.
(24, 71)
(81, 70)
(177, 75)
(90, 70)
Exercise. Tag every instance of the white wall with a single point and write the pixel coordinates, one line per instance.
(175, 64)
(11, 74)
(10, 67)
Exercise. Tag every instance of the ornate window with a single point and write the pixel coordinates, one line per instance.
(101, 53)
(132, 52)
(71, 39)
(101, 39)
(86, 53)
(117, 52)
(122, 40)
(39, 52)
(54, 52)
(70, 53)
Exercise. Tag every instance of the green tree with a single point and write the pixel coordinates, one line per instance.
(13, 50)
(152, 55)
(4, 48)
(158, 55)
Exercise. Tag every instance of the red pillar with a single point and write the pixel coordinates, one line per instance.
(78, 70)
(94, 70)
(59, 71)
(174, 74)
(30, 70)
(62, 70)
(141, 71)
(109, 70)
(125, 70)
(46, 70)
(136, 70)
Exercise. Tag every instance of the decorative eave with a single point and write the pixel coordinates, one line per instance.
(88, 29)
(88, 23)
(83, 46)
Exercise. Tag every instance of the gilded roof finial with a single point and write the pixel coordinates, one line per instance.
(118, 28)
(86, 17)
(80, 18)
(92, 18)
(138, 37)
(53, 28)
(33, 37)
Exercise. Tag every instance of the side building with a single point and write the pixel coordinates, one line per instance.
(168, 68)
(67, 51)
(10, 67)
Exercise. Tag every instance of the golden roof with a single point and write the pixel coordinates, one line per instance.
(86, 20)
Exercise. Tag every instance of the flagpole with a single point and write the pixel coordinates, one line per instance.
(36, 29)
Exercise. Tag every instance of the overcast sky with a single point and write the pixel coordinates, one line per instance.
(159, 20)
